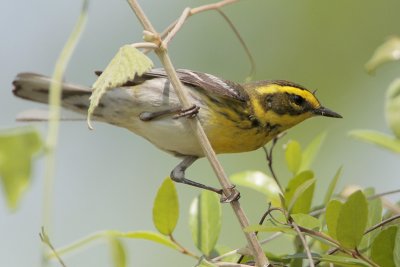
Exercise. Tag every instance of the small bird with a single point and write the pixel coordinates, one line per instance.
(235, 117)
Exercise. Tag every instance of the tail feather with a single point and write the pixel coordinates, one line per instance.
(35, 87)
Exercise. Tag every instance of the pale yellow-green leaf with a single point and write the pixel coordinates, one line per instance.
(388, 51)
(311, 151)
(352, 220)
(332, 214)
(147, 235)
(17, 150)
(380, 139)
(166, 208)
(392, 112)
(293, 156)
(126, 64)
(332, 186)
(306, 221)
(383, 250)
(205, 221)
(299, 192)
(260, 182)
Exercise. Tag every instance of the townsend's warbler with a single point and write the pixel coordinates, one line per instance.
(236, 117)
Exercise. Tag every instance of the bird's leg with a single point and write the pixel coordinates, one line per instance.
(178, 175)
(178, 112)
(148, 116)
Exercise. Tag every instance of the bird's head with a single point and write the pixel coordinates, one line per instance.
(285, 103)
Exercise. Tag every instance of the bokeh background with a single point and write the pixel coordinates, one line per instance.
(107, 178)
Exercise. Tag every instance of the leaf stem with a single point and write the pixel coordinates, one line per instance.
(182, 249)
(303, 241)
(54, 113)
(382, 223)
(46, 240)
(77, 244)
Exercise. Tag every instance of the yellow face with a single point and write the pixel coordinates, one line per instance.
(285, 104)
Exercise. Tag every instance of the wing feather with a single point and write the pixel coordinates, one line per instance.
(210, 83)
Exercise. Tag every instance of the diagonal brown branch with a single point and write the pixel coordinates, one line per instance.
(161, 52)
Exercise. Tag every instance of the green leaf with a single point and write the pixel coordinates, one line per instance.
(352, 220)
(332, 186)
(388, 51)
(293, 156)
(306, 221)
(117, 252)
(166, 208)
(205, 221)
(332, 215)
(374, 217)
(383, 248)
(311, 151)
(260, 182)
(392, 107)
(302, 197)
(377, 138)
(17, 149)
(299, 192)
(147, 235)
(128, 63)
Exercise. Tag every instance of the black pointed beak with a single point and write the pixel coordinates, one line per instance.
(321, 111)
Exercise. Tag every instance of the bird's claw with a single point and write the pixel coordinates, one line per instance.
(188, 112)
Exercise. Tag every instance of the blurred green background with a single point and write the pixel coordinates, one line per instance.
(107, 178)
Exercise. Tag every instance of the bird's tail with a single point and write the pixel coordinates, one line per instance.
(35, 87)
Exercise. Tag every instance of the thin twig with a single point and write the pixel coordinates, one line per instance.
(303, 241)
(230, 264)
(211, 6)
(320, 235)
(195, 124)
(382, 224)
(270, 238)
(242, 42)
(46, 240)
(242, 250)
(146, 45)
(268, 155)
(359, 255)
(230, 253)
(379, 195)
(333, 251)
(385, 194)
(330, 252)
(182, 248)
(169, 33)
(268, 212)
(178, 25)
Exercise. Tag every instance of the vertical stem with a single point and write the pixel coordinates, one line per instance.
(54, 116)
(198, 130)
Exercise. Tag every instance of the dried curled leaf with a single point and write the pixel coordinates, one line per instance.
(125, 65)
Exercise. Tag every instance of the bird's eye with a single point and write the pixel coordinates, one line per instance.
(298, 100)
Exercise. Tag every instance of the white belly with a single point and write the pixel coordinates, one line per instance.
(122, 107)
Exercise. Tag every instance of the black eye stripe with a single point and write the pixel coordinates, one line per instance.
(298, 100)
